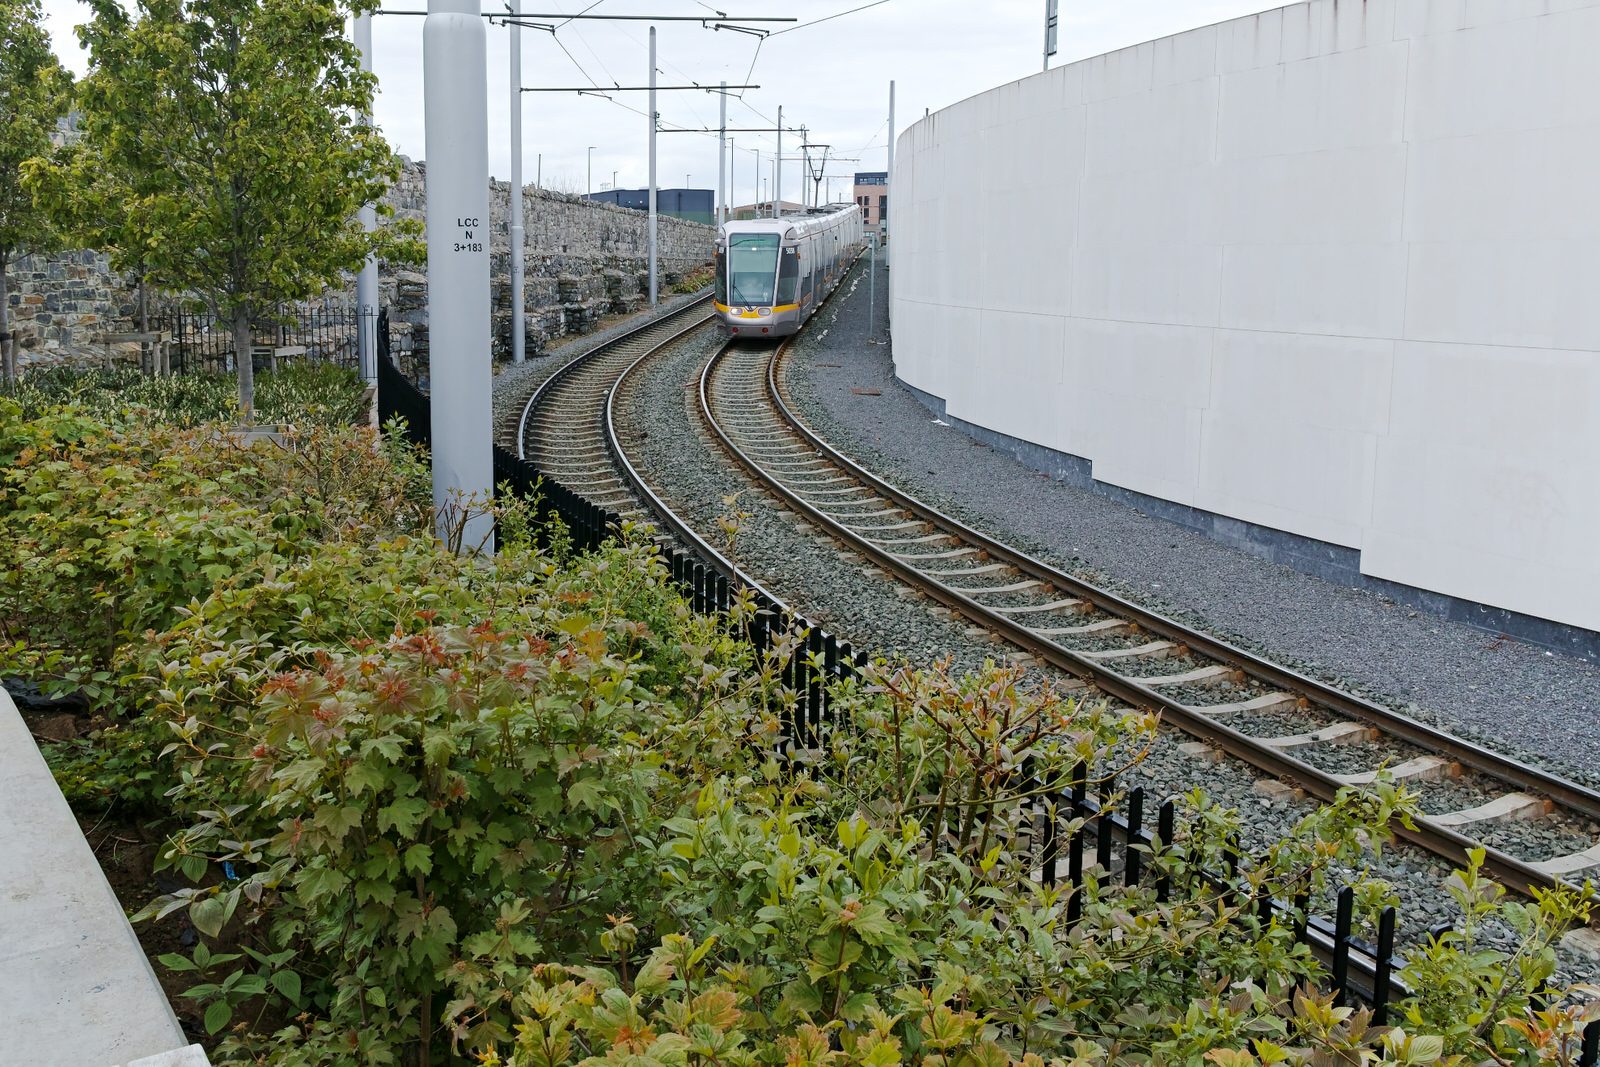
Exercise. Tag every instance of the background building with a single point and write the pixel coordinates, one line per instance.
(695, 205)
(872, 196)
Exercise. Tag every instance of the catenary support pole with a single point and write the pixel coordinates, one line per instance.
(777, 171)
(519, 325)
(805, 169)
(722, 159)
(367, 279)
(455, 90)
(888, 189)
(654, 293)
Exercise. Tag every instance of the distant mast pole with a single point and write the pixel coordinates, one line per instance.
(1050, 22)
(888, 183)
(519, 337)
(367, 279)
(777, 171)
(722, 160)
(455, 88)
(654, 295)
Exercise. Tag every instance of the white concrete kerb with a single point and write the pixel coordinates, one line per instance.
(75, 983)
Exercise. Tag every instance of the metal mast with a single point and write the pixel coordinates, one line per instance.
(654, 295)
(455, 88)
(777, 172)
(888, 181)
(367, 279)
(722, 159)
(518, 239)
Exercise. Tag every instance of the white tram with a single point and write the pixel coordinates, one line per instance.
(772, 273)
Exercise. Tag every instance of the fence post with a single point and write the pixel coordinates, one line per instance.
(1133, 860)
(1341, 946)
(1080, 777)
(1102, 852)
(1380, 972)
(814, 677)
(1165, 830)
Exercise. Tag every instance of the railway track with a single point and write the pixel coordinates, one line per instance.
(563, 430)
(1205, 687)
(1198, 683)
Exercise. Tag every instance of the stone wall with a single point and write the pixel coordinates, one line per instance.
(58, 305)
(584, 259)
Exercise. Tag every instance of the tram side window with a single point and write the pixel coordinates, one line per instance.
(752, 267)
(808, 266)
(720, 268)
(788, 276)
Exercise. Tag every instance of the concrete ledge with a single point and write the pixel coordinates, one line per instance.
(191, 1056)
(75, 986)
(1334, 563)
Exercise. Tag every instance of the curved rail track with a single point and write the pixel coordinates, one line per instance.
(1125, 651)
(563, 430)
(1112, 644)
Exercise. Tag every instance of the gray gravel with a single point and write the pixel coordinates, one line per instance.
(663, 435)
(1418, 878)
(1542, 707)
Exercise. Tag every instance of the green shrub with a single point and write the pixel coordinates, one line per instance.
(534, 811)
(109, 529)
(303, 393)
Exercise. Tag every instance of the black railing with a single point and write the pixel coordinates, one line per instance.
(1107, 845)
(202, 343)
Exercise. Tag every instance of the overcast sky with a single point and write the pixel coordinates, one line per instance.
(832, 76)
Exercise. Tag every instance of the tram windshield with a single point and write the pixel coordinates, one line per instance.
(752, 267)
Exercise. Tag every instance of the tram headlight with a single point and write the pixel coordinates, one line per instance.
(763, 311)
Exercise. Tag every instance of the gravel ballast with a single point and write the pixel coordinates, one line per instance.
(1540, 706)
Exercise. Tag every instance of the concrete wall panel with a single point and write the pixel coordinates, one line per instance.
(1327, 269)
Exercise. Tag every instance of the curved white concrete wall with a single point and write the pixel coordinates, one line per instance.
(1332, 269)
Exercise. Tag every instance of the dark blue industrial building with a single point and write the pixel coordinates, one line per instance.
(696, 205)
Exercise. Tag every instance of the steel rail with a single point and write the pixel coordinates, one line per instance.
(566, 369)
(1439, 840)
(680, 529)
(647, 496)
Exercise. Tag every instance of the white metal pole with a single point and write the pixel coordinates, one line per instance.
(455, 91)
(519, 325)
(888, 189)
(777, 172)
(722, 160)
(367, 279)
(654, 295)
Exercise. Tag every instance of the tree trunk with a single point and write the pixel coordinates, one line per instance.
(8, 349)
(146, 349)
(243, 360)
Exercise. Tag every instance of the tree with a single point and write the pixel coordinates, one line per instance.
(226, 153)
(33, 93)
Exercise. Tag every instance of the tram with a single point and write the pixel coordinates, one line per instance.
(772, 273)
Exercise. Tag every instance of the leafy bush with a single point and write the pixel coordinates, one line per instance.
(695, 280)
(305, 393)
(108, 529)
(534, 810)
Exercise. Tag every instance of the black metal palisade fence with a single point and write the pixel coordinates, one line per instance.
(1109, 842)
